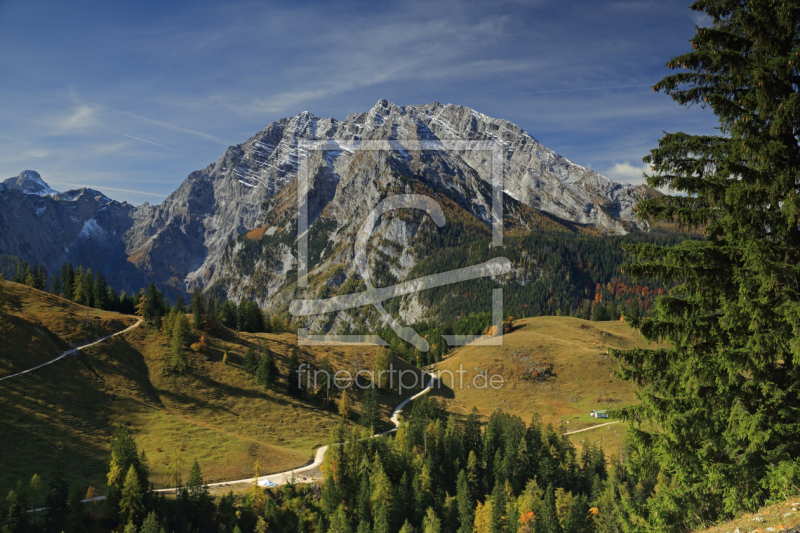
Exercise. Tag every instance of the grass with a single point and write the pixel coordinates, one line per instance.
(214, 413)
(575, 353)
(776, 517)
(38, 327)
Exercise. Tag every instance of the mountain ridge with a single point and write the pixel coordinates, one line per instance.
(180, 243)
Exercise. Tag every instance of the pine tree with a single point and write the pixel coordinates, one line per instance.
(369, 409)
(27, 276)
(123, 456)
(339, 522)
(199, 494)
(344, 404)
(130, 504)
(100, 291)
(180, 304)
(56, 499)
(18, 278)
(67, 280)
(55, 286)
(153, 306)
(465, 504)
(181, 330)
(74, 522)
(150, 524)
(549, 516)
(178, 360)
(381, 499)
(729, 379)
(35, 489)
(198, 308)
(250, 362)
(294, 382)
(266, 372)
(431, 523)
(499, 523)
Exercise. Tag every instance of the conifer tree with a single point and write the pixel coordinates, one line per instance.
(74, 522)
(294, 381)
(55, 285)
(130, 503)
(344, 404)
(35, 489)
(197, 307)
(27, 276)
(267, 371)
(2, 295)
(465, 503)
(431, 523)
(150, 524)
(56, 499)
(728, 384)
(250, 362)
(67, 280)
(369, 408)
(339, 522)
(180, 304)
(549, 516)
(499, 523)
(381, 499)
(18, 277)
(178, 360)
(198, 491)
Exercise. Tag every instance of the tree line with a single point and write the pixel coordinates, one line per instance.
(77, 285)
(438, 474)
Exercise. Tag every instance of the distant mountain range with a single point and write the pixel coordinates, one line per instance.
(231, 227)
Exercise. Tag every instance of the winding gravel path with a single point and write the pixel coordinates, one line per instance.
(282, 478)
(72, 351)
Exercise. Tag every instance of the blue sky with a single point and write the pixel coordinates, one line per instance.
(129, 98)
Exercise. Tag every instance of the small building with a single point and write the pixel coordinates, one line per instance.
(599, 414)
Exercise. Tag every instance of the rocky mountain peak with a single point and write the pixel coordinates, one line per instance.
(29, 182)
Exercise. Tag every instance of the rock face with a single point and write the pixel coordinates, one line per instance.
(193, 237)
(81, 226)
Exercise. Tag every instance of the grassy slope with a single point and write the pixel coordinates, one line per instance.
(215, 413)
(38, 326)
(582, 380)
(780, 516)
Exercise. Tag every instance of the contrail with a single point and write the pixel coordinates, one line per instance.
(151, 142)
(151, 120)
(587, 89)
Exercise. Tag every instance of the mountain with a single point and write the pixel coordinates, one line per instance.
(231, 227)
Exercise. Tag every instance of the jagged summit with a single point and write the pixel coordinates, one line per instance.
(29, 182)
(181, 242)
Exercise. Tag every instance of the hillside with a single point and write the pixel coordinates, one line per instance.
(572, 375)
(39, 326)
(215, 412)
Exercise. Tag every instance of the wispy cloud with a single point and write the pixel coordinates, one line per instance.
(151, 142)
(102, 188)
(587, 89)
(81, 118)
(37, 154)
